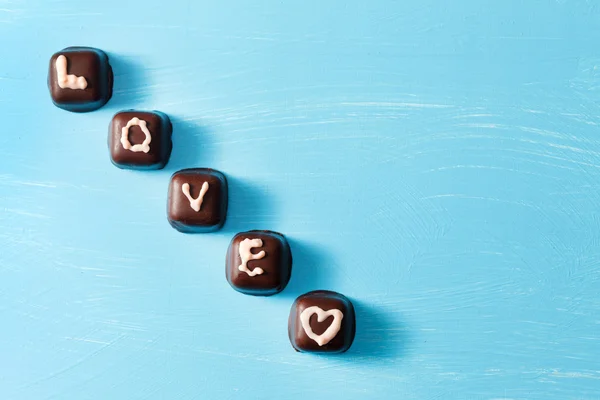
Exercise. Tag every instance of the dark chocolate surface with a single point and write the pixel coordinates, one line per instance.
(160, 129)
(326, 300)
(213, 211)
(94, 66)
(276, 264)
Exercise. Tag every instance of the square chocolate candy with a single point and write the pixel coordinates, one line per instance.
(140, 140)
(322, 322)
(259, 263)
(80, 79)
(197, 200)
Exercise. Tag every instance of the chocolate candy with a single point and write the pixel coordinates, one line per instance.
(140, 140)
(80, 79)
(259, 263)
(322, 322)
(197, 200)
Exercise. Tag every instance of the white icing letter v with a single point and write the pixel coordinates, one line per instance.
(196, 203)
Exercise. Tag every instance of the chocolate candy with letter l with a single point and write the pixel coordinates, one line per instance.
(80, 79)
(322, 322)
(259, 263)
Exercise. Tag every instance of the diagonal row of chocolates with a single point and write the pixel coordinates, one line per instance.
(259, 263)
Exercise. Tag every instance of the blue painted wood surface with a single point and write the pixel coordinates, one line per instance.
(438, 162)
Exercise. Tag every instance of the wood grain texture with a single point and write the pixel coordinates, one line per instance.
(437, 162)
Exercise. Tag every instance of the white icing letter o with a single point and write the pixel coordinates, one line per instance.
(136, 148)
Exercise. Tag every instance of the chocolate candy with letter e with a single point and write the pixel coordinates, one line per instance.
(259, 263)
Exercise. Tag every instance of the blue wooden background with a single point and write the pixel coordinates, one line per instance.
(438, 162)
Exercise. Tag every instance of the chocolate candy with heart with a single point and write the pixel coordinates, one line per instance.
(259, 263)
(322, 322)
(80, 79)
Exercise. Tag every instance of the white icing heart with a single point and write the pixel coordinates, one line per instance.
(333, 329)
